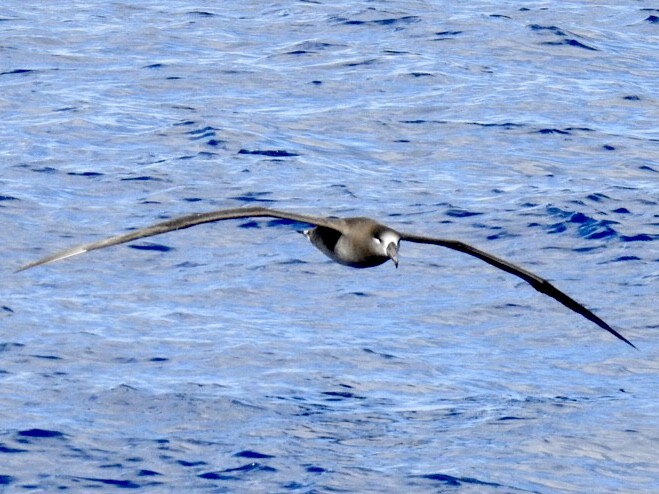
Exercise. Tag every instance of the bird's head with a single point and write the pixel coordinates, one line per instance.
(387, 242)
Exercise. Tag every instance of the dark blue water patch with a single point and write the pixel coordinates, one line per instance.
(6, 479)
(621, 211)
(5, 347)
(189, 265)
(85, 174)
(8, 198)
(554, 228)
(252, 455)
(442, 35)
(553, 131)
(408, 19)
(147, 473)
(314, 469)
(184, 122)
(154, 66)
(125, 360)
(647, 168)
(588, 227)
(253, 197)
(184, 463)
(273, 153)
(202, 13)
(217, 476)
(250, 224)
(313, 409)
(641, 237)
(203, 133)
(461, 213)
(597, 231)
(570, 42)
(503, 125)
(626, 258)
(40, 433)
(579, 218)
(215, 142)
(122, 484)
(363, 62)
(500, 16)
(579, 129)
(158, 359)
(341, 395)
(293, 486)
(569, 399)
(307, 47)
(653, 19)
(18, 71)
(421, 74)
(45, 169)
(632, 97)
(586, 249)
(508, 418)
(9, 450)
(551, 29)
(141, 178)
(387, 356)
(290, 262)
(608, 147)
(501, 234)
(457, 481)
(193, 199)
(233, 473)
(47, 357)
(151, 246)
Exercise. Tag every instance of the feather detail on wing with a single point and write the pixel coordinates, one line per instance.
(186, 222)
(540, 284)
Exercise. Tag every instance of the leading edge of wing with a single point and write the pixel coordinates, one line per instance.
(540, 284)
(180, 224)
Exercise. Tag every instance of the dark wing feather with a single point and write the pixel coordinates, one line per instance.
(187, 222)
(540, 284)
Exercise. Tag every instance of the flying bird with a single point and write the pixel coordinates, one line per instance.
(356, 242)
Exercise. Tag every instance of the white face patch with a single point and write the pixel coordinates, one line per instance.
(386, 238)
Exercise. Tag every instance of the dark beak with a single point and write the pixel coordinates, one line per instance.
(392, 252)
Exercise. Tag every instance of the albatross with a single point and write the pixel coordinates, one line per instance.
(356, 242)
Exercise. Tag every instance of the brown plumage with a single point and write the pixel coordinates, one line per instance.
(355, 242)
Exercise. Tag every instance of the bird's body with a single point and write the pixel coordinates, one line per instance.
(356, 242)
(359, 243)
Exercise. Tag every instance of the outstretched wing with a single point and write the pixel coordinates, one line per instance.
(540, 284)
(187, 222)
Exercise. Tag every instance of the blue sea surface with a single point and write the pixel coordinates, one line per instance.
(234, 357)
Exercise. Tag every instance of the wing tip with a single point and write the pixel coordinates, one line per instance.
(51, 259)
(631, 344)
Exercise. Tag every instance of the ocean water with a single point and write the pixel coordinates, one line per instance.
(234, 357)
